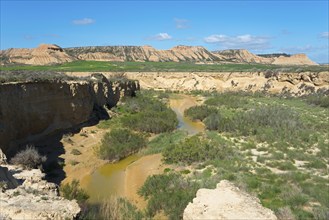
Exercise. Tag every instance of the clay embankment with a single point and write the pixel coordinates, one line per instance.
(29, 111)
(296, 83)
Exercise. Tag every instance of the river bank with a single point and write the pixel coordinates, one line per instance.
(122, 179)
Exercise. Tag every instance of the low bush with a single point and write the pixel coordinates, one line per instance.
(318, 99)
(230, 100)
(112, 208)
(267, 123)
(197, 149)
(72, 191)
(159, 143)
(28, 158)
(75, 152)
(151, 121)
(119, 143)
(199, 112)
(147, 114)
(168, 192)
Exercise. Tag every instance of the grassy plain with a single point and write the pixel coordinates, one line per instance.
(104, 66)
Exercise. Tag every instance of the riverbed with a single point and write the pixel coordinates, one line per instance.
(123, 179)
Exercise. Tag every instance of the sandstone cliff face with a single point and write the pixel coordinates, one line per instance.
(42, 55)
(35, 109)
(51, 54)
(226, 202)
(297, 59)
(295, 83)
(142, 54)
(244, 56)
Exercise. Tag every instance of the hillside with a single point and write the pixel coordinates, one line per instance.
(47, 54)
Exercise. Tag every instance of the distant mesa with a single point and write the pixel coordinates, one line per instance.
(47, 54)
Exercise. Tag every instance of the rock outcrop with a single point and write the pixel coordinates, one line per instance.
(31, 197)
(51, 54)
(244, 56)
(30, 110)
(226, 202)
(45, 54)
(142, 54)
(272, 82)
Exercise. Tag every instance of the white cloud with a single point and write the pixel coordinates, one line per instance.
(52, 35)
(324, 35)
(84, 21)
(29, 37)
(161, 37)
(181, 23)
(246, 41)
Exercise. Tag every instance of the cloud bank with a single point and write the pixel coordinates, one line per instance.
(181, 23)
(161, 37)
(246, 41)
(83, 21)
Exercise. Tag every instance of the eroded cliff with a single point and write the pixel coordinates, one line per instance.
(273, 82)
(30, 110)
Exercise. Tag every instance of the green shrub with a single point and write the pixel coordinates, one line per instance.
(229, 100)
(112, 208)
(318, 99)
(119, 143)
(28, 158)
(196, 149)
(267, 123)
(152, 121)
(199, 112)
(72, 191)
(159, 143)
(147, 114)
(75, 152)
(168, 192)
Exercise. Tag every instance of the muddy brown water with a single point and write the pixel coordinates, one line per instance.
(124, 178)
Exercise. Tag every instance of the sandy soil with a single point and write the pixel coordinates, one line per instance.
(85, 142)
(137, 173)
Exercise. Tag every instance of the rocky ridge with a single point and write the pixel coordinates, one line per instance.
(28, 196)
(226, 202)
(47, 54)
(42, 55)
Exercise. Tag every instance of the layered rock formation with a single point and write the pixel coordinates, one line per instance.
(28, 196)
(51, 54)
(42, 55)
(142, 54)
(244, 56)
(226, 202)
(30, 110)
(273, 82)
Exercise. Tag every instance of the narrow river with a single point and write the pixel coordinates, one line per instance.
(127, 176)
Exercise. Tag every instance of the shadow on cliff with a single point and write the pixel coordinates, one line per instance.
(52, 146)
(62, 109)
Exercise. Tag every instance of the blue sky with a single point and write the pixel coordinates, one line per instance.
(258, 26)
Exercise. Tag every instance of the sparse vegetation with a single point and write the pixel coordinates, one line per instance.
(261, 139)
(28, 158)
(197, 149)
(119, 143)
(143, 113)
(112, 208)
(75, 152)
(72, 191)
(168, 192)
